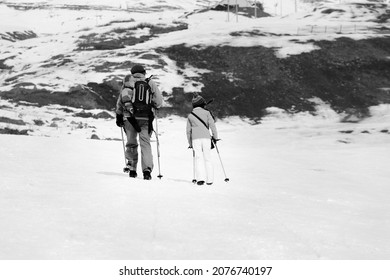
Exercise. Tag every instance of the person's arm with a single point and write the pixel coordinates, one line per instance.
(127, 95)
(119, 105)
(189, 133)
(157, 99)
(212, 126)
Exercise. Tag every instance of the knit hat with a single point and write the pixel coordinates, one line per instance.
(138, 69)
(198, 101)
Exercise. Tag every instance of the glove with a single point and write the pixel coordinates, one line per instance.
(119, 120)
(213, 142)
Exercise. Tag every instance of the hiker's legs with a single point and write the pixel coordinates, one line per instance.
(146, 148)
(207, 160)
(200, 173)
(131, 145)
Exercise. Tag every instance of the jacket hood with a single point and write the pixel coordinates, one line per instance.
(138, 75)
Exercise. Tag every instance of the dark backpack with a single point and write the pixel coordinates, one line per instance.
(142, 99)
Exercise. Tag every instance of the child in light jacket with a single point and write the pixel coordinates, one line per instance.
(199, 124)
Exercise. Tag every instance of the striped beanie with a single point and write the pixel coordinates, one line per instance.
(198, 101)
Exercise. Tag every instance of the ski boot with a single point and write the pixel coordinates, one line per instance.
(147, 175)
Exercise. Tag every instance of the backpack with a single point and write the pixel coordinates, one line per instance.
(142, 99)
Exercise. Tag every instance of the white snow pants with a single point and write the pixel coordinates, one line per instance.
(203, 165)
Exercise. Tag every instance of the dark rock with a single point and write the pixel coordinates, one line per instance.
(11, 121)
(7, 130)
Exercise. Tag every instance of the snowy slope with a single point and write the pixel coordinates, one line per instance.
(301, 187)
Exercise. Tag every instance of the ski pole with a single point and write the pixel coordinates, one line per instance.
(226, 178)
(193, 165)
(125, 169)
(158, 148)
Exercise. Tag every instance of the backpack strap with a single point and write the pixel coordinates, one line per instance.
(202, 121)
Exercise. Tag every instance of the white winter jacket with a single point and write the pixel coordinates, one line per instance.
(196, 129)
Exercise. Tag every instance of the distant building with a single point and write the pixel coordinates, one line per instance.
(249, 8)
(240, 3)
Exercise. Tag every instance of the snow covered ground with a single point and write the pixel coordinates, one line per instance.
(301, 187)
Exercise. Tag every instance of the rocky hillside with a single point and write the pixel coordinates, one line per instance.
(349, 72)
(17, 35)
